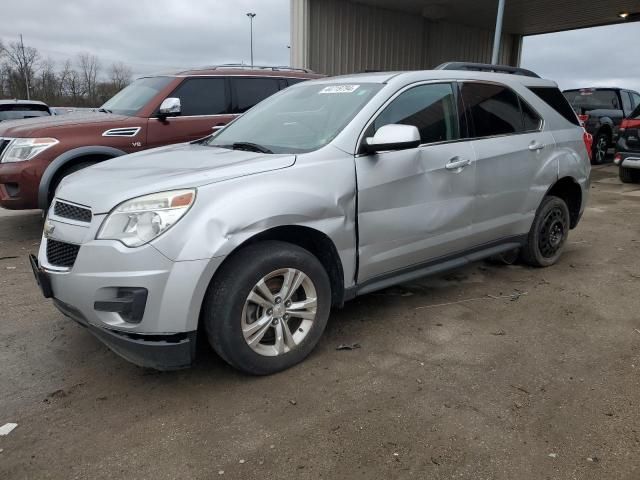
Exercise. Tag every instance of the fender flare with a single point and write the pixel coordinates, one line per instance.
(60, 161)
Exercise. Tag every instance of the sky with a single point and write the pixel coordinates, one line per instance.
(159, 35)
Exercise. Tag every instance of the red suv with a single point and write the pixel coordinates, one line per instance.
(36, 154)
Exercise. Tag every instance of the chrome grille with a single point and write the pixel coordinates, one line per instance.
(72, 212)
(61, 254)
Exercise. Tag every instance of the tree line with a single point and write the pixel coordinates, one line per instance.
(83, 82)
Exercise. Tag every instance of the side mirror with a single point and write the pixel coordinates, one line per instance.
(393, 137)
(170, 107)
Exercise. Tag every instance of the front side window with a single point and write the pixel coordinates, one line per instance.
(431, 108)
(299, 119)
(202, 96)
(130, 100)
(251, 91)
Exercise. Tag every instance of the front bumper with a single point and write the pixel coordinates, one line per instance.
(161, 337)
(161, 352)
(19, 182)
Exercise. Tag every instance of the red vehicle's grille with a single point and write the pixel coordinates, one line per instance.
(61, 254)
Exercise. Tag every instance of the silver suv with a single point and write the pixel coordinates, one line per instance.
(330, 189)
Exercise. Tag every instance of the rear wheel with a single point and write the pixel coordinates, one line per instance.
(548, 234)
(600, 147)
(267, 307)
(629, 175)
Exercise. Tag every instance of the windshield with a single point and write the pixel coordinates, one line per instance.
(301, 119)
(18, 111)
(587, 99)
(133, 98)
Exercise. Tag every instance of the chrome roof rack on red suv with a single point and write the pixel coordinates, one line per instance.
(242, 66)
(486, 67)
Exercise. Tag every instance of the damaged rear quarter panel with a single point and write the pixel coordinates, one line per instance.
(318, 192)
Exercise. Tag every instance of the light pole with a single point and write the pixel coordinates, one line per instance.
(251, 16)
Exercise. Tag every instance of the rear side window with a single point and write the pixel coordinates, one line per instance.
(626, 103)
(532, 120)
(495, 110)
(202, 96)
(636, 99)
(251, 91)
(556, 100)
(431, 108)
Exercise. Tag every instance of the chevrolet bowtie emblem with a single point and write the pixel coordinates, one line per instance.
(49, 228)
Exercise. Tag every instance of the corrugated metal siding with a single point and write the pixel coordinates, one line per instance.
(448, 42)
(345, 37)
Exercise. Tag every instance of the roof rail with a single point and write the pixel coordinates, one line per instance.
(486, 67)
(243, 66)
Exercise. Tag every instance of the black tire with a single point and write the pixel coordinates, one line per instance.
(64, 173)
(548, 234)
(228, 292)
(599, 149)
(629, 175)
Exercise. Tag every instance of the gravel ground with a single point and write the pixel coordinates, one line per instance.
(450, 380)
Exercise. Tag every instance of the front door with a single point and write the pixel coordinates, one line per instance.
(205, 107)
(416, 205)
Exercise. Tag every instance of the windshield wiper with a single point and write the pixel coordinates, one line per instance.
(104, 110)
(250, 147)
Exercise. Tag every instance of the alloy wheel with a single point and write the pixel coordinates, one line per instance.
(279, 312)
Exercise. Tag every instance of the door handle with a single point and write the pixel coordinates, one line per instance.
(457, 164)
(535, 146)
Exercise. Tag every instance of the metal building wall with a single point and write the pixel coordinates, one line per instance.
(346, 37)
(339, 36)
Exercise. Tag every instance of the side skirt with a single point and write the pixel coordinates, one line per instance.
(435, 266)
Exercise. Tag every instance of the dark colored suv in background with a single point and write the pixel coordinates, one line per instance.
(602, 110)
(36, 154)
(628, 148)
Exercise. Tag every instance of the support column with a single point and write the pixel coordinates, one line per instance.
(498, 34)
(299, 55)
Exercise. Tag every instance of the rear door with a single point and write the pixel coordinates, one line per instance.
(415, 205)
(512, 152)
(206, 106)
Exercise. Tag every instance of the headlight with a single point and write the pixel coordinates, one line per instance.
(140, 220)
(21, 149)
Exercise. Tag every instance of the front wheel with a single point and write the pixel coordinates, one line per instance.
(267, 307)
(548, 234)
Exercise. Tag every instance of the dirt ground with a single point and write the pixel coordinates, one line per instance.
(451, 381)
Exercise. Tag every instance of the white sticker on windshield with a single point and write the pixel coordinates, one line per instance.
(339, 89)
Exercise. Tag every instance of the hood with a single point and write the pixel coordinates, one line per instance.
(110, 183)
(37, 127)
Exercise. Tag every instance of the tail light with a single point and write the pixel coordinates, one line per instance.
(588, 140)
(583, 119)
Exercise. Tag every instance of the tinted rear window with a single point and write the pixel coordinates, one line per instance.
(588, 99)
(556, 100)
